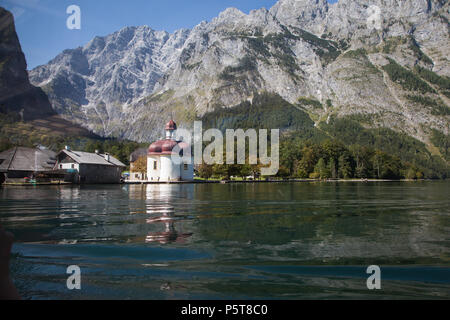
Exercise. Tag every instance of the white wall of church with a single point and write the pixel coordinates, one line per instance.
(187, 172)
(166, 170)
(169, 170)
(152, 173)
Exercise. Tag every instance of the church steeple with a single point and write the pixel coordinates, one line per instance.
(171, 127)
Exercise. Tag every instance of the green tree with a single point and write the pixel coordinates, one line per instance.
(220, 171)
(283, 172)
(378, 163)
(332, 149)
(289, 153)
(391, 167)
(322, 169)
(307, 163)
(205, 171)
(333, 168)
(92, 146)
(245, 171)
(362, 157)
(411, 174)
(345, 170)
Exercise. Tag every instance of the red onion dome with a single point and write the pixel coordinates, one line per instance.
(165, 147)
(168, 145)
(156, 147)
(171, 125)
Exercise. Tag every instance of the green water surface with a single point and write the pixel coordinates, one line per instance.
(234, 241)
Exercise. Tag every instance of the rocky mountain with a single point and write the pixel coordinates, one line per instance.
(19, 100)
(16, 92)
(381, 62)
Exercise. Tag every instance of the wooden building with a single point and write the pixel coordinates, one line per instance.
(90, 168)
(21, 163)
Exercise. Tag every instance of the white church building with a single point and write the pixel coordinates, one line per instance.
(160, 166)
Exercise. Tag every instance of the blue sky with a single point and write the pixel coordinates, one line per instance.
(41, 24)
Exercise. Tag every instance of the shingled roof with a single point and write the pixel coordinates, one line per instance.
(92, 158)
(27, 159)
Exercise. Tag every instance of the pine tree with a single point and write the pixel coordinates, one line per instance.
(332, 168)
(322, 170)
(345, 167)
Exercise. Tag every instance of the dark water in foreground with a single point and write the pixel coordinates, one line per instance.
(236, 241)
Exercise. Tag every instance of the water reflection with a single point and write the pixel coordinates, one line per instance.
(231, 241)
(161, 212)
(69, 193)
(170, 234)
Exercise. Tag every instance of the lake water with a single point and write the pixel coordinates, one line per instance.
(234, 241)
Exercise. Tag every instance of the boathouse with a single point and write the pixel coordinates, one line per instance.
(90, 168)
(21, 163)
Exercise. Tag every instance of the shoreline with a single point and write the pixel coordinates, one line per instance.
(273, 181)
(216, 182)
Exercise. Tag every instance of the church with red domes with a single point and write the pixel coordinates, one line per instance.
(160, 165)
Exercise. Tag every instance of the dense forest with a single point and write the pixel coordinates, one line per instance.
(329, 159)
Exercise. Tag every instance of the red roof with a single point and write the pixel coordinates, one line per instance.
(165, 147)
(171, 125)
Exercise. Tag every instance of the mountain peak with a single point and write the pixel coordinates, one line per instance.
(231, 12)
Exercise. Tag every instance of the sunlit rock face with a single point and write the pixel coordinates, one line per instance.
(126, 84)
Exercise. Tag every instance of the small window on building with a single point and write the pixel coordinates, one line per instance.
(155, 165)
(185, 167)
(60, 166)
(73, 166)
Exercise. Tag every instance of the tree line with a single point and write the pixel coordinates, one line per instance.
(329, 159)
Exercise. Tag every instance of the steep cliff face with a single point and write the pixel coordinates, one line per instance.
(382, 62)
(17, 95)
(21, 101)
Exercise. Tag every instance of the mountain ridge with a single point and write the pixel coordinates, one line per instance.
(126, 84)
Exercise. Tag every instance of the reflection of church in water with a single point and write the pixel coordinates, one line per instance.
(162, 217)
